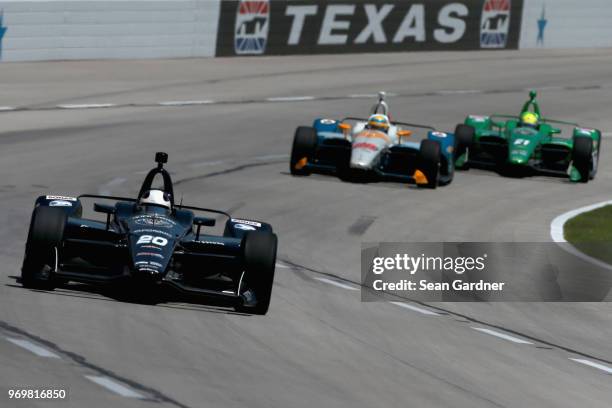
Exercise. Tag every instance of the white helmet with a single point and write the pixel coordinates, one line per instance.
(156, 197)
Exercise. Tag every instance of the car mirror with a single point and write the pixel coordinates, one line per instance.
(345, 127)
(404, 133)
(555, 131)
(104, 208)
(204, 221)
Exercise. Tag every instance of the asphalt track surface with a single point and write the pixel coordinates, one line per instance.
(319, 346)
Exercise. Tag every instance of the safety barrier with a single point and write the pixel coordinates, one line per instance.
(86, 29)
(100, 29)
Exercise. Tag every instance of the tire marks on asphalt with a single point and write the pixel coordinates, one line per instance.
(361, 225)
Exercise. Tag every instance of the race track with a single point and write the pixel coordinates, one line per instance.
(319, 346)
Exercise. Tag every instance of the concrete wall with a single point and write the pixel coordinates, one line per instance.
(86, 29)
(566, 24)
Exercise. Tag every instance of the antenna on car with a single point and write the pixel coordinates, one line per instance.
(161, 158)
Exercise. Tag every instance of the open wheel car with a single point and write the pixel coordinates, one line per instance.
(150, 242)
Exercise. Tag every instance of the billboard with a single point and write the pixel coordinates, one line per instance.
(263, 27)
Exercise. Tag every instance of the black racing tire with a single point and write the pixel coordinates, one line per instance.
(429, 162)
(582, 157)
(304, 146)
(43, 244)
(464, 139)
(260, 261)
(343, 166)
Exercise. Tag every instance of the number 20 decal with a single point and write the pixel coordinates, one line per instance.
(150, 239)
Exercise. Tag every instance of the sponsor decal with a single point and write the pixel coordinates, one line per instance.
(150, 247)
(244, 227)
(149, 254)
(146, 269)
(345, 26)
(149, 263)
(365, 145)
(2, 30)
(152, 220)
(153, 231)
(63, 198)
(60, 203)
(584, 130)
(247, 222)
(327, 121)
(495, 23)
(438, 134)
(542, 22)
(251, 27)
(478, 118)
(211, 242)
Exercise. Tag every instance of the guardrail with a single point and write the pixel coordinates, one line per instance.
(85, 29)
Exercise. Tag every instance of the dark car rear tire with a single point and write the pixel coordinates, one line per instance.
(260, 261)
(42, 247)
(464, 139)
(583, 157)
(429, 162)
(304, 145)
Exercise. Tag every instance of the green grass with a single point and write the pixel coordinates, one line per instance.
(591, 233)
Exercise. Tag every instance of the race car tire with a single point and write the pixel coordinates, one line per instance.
(343, 168)
(304, 146)
(260, 260)
(429, 162)
(464, 139)
(44, 241)
(582, 157)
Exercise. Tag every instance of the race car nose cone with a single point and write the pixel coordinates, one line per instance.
(360, 165)
(518, 160)
(147, 275)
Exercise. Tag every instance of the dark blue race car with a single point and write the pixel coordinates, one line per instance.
(149, 242)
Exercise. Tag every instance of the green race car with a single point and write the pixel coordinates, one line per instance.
(528, 142)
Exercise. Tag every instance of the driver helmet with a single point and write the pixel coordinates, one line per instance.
(378, 122)
(156, 197)
(529, 119)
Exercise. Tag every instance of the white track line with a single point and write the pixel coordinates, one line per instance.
(336, 283)
(502, 335)
(280, 265)
(290, 98)
(6, 108)
(593, 364)
(86, 105)
(415, 308)
(361, 96)
(556, 233)
(186, 103)
(33, 348)
(114, 386)
(458, 92)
